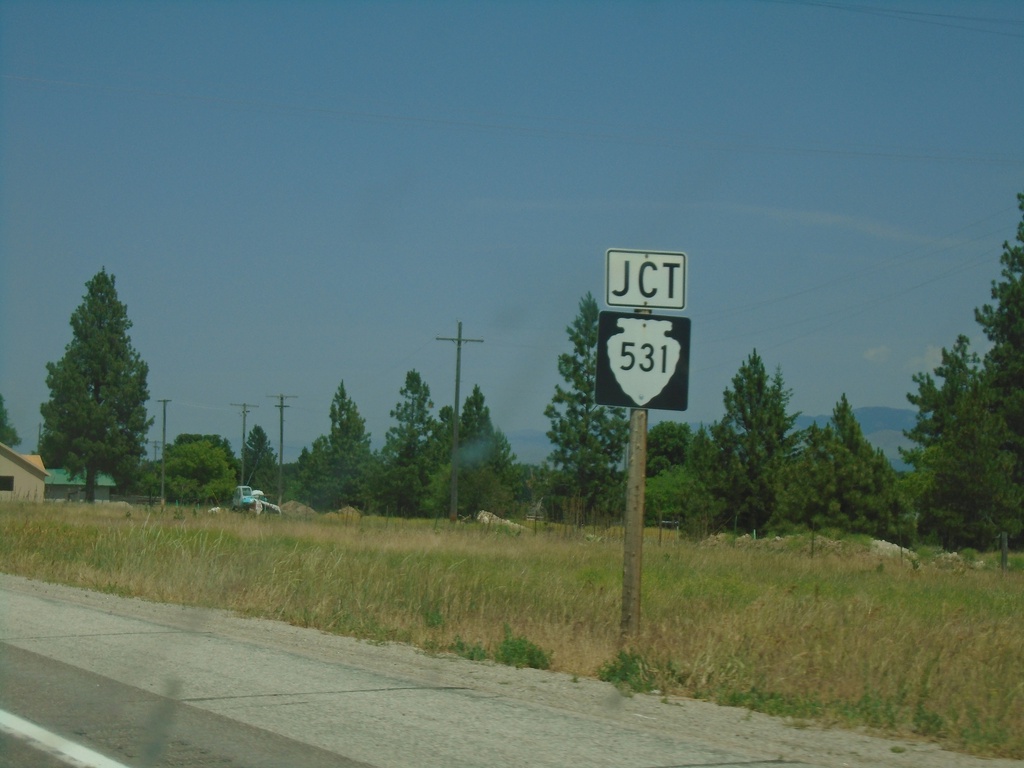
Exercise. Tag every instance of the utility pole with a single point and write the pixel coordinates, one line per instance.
(245, 410)
(163, 453)
(155, 444)
(280, 451)
(453, 513)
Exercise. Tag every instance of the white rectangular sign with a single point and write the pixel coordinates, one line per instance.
(645, 279)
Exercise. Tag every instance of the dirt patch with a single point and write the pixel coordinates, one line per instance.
(297, 509)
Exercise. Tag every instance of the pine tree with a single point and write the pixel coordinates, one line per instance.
(481, 444)
(936, 405)
(839, 480)
(964, 454)
(350, 449)
(588, 439)
(95, 420)
(1003, 324)
(488, 476)
(755, 440)
(407, 462)
(314, 475)
(260, 460)
(335, 472)
(8, 434)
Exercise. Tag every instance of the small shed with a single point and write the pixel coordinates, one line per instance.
(60, 486)
(22, 478)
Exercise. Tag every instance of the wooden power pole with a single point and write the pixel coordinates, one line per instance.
(280, 451)
(245, 410)
(163, 452)
(453, 512)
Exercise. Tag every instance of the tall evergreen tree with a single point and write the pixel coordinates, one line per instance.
(350, 448)
(969, 493)
(261, 468)
(8, 434)
(407, 461)
(959, 371)
(1003, 324)
(488, 477)
(314, 475)
(588, 439)
(335, 472)
(755, 440)
(970, 428)
(964, 454)
(480, 442)
(95, 420)
(841, 481)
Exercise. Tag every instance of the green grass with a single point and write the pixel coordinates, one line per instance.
(844, 637)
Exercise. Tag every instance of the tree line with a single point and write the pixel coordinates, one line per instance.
(752, 471)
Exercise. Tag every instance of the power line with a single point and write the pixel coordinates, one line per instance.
(605, 134)
(909, 257)
(983, 24)
(845, 313)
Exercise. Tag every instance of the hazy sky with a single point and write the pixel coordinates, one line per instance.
(295, 194)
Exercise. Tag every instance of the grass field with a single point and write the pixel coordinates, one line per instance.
(844, 637)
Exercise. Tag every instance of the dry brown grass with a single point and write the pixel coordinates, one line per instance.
(846, 636)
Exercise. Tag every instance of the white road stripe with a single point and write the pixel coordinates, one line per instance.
(63, 749)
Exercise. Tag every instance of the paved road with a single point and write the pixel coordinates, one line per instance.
(132, 726)
(146, 684)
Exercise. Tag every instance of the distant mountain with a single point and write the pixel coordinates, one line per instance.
(872, 419)
(890, 442)
(882, 427)
(885, 419)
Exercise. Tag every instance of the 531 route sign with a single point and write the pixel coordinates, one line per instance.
(643, 361)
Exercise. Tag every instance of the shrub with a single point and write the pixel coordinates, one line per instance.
(474, 652)
(520, 652)
(629, 672)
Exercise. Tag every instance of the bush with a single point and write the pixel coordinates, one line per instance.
(520, 652)
(629, 672)
(474, 652)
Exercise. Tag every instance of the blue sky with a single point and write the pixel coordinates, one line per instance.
(295, 194)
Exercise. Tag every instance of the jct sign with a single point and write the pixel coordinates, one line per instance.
(643, 361)
(645, 279)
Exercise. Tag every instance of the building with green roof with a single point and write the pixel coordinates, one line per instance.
(60, 486)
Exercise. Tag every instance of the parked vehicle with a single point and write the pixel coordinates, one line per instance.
(246, 499)
(242, 498)
(262, 504)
